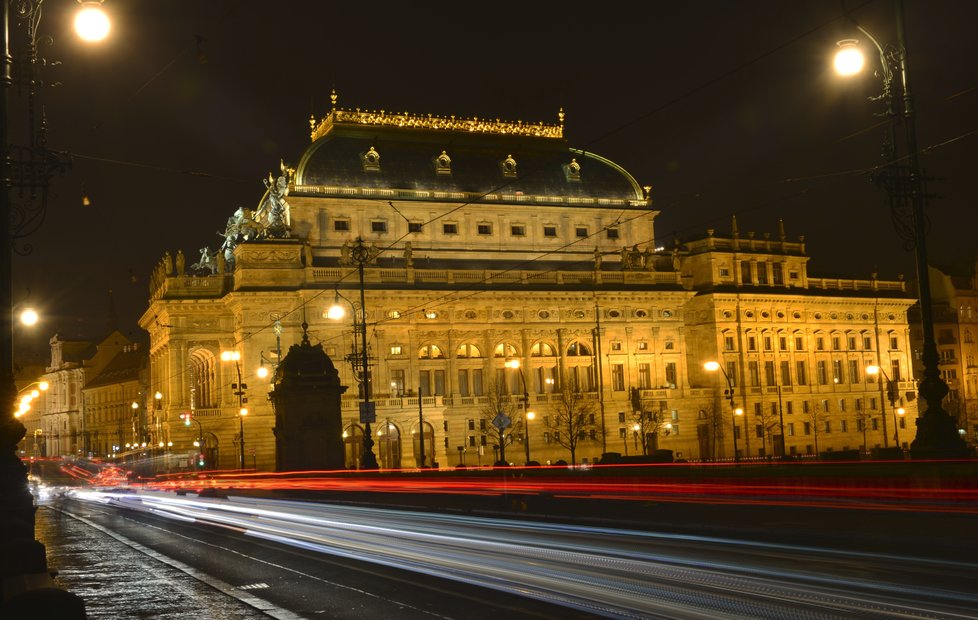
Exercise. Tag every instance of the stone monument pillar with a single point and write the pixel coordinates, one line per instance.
(308, 423)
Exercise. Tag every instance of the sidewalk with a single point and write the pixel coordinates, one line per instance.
(116, 581)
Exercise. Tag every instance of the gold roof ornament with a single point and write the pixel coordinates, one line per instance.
(340, 117)
(560, 116)
(333, 97)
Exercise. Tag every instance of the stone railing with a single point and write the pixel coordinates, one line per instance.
(490, 277)
(840, 284)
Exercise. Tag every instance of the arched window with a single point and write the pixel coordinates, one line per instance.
(202, 364)
(468, 351)
(353, 445)
(505, 350)
(578, 349)
(542, 349)
(389, 445)
(430, 351)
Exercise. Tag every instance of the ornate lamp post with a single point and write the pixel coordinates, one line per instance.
(734, 410)
(527, 414)
(360, 254)
(902, 178)
(239, 391)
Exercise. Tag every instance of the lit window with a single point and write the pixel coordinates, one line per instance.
(395, 349)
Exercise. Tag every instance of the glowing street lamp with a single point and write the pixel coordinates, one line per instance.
(239, 391)
(92, 24)
(849, 59)
(713, 366)
(901, 175)
(29, 316)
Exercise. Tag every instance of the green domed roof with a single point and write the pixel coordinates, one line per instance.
(445, 155)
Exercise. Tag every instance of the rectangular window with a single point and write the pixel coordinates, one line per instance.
(853, 371)
(414, 227)
(728, 343)
(396, 349)
(852, 343)
(785, 373)
(836, 343)
(800, 373)
(424, 383)
(671, 374)
(762, 273)
(621, 417)
(612, 233)
(895, 370)
(751, 343)
(791, 429)
(799, 343)
(341, 225)
(449, 228)
(644, 376)
(789, 407)
(378, 226)
(549, 231)
(837, 376)
(858, 404)
(894, 343)
(484, 229)
(618, 377)
(769, 373)
(844, 426)
(842, 404)
(477, 382)
(724, 272)
(777, 274)
(732, 373)
(580, 231)
(517, 230)
(759, 431)
(822, 372)
(782, 343)
(397, 382)
(804, 407)
(867, 343)
(828, 426)
(439, 383)
(808, 428)
(643, 346)
(767, 343)
(463, 382)
(825, 405)
(745, 273)
(616, 345)
(755, 378)
(874, 424)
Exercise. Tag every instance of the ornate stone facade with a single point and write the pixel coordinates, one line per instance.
(550, 261)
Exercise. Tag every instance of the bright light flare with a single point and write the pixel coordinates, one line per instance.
(849, 60)
(335, 312)
(29, 317)
(872, 370)
(262, 372)
(92, 24)
(712, 366)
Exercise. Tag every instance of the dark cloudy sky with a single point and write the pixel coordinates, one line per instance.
(715, 104)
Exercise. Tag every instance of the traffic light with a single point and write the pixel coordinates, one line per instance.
(892, 391)
(186, 418)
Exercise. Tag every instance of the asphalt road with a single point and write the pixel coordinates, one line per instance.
(300, 559)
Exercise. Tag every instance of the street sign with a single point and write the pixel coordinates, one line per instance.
(501, 421)
(368, 413)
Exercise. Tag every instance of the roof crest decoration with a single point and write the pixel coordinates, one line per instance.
(383, 118)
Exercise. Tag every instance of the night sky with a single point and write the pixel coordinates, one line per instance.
(176, 119)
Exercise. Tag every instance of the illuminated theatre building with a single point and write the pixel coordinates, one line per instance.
(496, 242)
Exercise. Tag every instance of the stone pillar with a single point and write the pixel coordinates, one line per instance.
(308, 417)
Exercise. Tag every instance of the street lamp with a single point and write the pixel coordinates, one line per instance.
(91, 22)
(902, 178)
(515, 363)
(735, 411)
(361, 254)
(239, 391)
(891, 390)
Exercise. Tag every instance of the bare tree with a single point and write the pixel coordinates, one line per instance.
(572, 420)
(816, 415)
(770, 420)
(715, 422)
(646, 419)
(499, 406)
(863, 417)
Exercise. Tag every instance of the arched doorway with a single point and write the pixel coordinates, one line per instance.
(353, 445)
(389, 445)
(210, 450)
(429, 445)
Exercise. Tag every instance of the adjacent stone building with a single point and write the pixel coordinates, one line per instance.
(497, 262)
